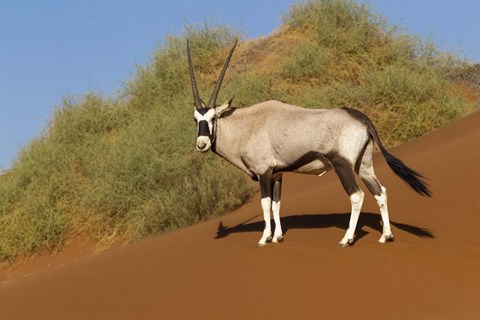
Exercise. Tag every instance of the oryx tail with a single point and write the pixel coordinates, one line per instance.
(413, 178)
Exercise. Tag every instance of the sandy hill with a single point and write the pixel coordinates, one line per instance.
(214, 270)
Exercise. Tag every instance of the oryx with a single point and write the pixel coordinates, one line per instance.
(270, 138)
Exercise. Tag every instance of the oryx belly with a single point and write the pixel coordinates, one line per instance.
(311, 162)
(316, 166)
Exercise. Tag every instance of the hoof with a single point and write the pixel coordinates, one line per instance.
(278, 239)
(267, 241)
(389, 238)
(385, 239)
(346, 244)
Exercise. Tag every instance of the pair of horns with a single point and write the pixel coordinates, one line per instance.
(213, 99)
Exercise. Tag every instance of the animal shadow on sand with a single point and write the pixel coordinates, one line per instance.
(317, 221)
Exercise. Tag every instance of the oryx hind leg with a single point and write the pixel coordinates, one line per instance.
(266, 184)
(276, 194)
(367, 174)
(346, 174)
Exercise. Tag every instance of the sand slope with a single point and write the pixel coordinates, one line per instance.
(215, 271)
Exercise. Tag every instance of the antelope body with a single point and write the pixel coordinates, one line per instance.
(273, 137)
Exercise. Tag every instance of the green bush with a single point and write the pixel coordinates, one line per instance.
(309, 63)
(121, 167)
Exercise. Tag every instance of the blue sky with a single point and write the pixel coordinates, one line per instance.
(52, 49)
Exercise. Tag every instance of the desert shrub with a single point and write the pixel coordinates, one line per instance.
(345, 25)
(249, 88)
(122, 167)
(468, 75)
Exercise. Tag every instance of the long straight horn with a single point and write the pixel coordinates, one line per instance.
(198, 102)
(213, 99)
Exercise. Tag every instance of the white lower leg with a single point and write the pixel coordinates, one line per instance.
(278, 235)
(267, 232)
(382, 204)
(357, 200)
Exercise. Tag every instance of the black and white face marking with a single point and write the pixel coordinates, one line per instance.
(205, 118)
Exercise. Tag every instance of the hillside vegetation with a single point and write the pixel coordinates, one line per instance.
(122, 168)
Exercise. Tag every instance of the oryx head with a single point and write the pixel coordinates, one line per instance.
(206, 115)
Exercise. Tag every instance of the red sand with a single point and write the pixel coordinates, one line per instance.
(214, 270)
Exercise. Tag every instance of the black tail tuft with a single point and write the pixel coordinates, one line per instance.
(413, 178)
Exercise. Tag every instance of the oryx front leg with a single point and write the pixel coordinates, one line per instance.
(277, 190)
(266, 192)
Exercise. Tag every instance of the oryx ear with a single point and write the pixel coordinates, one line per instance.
(222, 108)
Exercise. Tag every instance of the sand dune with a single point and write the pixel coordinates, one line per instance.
(214, 270)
